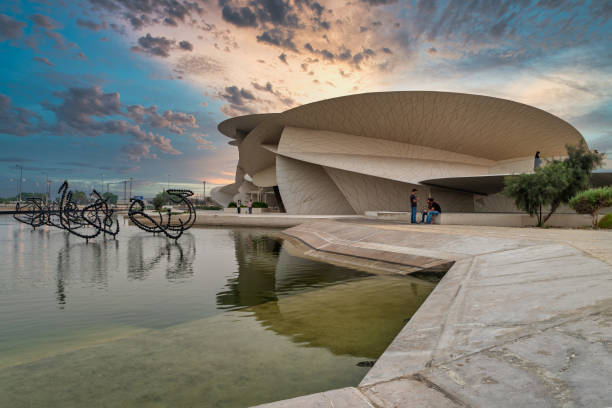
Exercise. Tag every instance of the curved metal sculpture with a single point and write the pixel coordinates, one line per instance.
(34, 212)
(171, 229)
(86, 223)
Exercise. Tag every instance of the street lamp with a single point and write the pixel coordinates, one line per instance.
(168, 182)
(102, 184)
(47, 188)
(20, 179)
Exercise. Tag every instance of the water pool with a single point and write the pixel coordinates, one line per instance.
(223, 318)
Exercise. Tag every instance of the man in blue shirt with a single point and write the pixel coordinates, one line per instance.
(413, 206)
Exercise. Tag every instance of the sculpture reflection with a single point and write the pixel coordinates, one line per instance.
(176, 258)
(87, 263)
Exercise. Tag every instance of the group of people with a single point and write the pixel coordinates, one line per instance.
(249, 206)
(433, 208)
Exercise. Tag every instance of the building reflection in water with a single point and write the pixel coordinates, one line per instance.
(175, 257)
(348, 312)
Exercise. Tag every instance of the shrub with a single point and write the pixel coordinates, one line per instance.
(232, 204)
(207, 207)
(259, 204)
(606, 222)
(592, 201)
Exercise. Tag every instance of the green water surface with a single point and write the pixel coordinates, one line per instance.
(223, 318)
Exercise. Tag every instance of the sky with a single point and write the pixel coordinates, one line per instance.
(97, 91)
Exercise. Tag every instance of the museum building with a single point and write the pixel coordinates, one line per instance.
(366, 152)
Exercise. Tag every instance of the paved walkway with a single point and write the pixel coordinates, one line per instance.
(523, 318)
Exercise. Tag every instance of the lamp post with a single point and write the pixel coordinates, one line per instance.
(168, 182)
(20, 179)
(102, 183)
(203, 191)
(46, 186)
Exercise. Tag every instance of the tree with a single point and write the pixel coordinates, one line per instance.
(79, 197)
(160, 200)
(112, 198)
(568, 177)
(554, 184)
(592, 201)
(529, 192)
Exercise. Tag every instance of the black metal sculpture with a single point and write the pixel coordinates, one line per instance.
(172, 229)
(86, 223)
(33, 212)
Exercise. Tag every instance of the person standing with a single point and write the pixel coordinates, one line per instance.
(413, 206)
(250, 206)
(238, 204)
(537, 162)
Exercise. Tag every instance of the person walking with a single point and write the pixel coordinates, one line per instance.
(251, 206)
(238, 204)
(413, 206)
(433, 208)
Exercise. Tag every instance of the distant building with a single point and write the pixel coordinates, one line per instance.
(366, 152)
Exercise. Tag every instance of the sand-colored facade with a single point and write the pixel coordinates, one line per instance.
(366, 152)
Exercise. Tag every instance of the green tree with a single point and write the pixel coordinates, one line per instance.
(592, 201)
(528, 191)
(79, 197)
(160, 200)
(112, 198)
(568, 177)
(554, 184)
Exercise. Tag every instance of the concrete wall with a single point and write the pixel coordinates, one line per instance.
(307, 189)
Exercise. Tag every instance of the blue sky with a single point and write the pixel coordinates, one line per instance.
(136, 88)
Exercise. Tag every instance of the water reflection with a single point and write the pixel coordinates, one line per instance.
(301, 326)
(90, 263)
(346, 311)
(177, 256)
(266, 271)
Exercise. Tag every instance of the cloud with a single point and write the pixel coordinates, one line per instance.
(175, 122)
(240, 101)
(198, 65)
(141, 13)
(284, 99)
(379, 2)
(44, 61)
(266, 88)
(202, 142)
(240, 17)
(186, 45)
(17, 121)
(158, 46)
(90, 25)
(14, 160)
(91, 112)
(236, 96)
(10, 29)
(282, 39)
(44, 21)
(138, 151)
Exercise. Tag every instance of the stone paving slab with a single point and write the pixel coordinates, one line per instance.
(523, 318)
(341, 398)
(408, 393)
